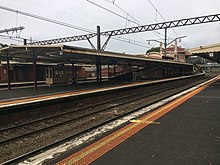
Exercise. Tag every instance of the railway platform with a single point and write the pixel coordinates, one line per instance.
(184, 131)
(25, 95)
(20, 84)
(25, 90)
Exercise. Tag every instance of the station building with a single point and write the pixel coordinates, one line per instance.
(65, 64)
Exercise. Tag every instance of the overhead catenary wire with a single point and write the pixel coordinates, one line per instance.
(51, 21)
(165, 20)
(157, 11)
(137, 43)
(18, 39)
(137, 21)
(130, 40)
(47, 19)
(112, 12)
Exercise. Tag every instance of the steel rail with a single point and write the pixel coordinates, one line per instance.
(34, 152)
(126, 98)
(69, 112)
(86, 107)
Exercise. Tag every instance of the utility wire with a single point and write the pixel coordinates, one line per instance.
(59, 23)
(11, 38)
(137, 43)
(127, 13)
(137, 22)
(157, 11)
(130, 40)
(165, 20)
(47, 19)
(17, 38)
(111, 11)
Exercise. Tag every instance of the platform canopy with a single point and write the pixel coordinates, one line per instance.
(210, 52)
(62, 54)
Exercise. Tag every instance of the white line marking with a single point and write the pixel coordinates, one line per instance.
(49, 154)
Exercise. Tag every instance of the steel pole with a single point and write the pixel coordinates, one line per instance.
(165, 42)
(108, 72)
(73, 73)
(99, 68)
(8, 71)
(98, 38)
(35, 71)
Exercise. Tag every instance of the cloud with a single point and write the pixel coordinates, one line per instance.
(84, 14)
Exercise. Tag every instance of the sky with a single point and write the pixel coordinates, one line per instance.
(85, 14)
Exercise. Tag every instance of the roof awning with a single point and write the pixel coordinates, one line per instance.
(70, 54)
(211, 52)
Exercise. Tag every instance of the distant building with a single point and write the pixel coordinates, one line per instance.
(181, 53)
(206, 58)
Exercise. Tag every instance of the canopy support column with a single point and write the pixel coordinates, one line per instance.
(35, 71)
(8, 72)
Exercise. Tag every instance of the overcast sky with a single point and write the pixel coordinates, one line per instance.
(85, 14)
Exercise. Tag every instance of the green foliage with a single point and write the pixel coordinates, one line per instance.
(3, 45)
(154, 49)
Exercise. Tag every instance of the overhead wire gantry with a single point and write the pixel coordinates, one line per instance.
(156, 26)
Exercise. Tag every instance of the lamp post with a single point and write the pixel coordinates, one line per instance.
(165, 45)
(175, 48)
(161, 44)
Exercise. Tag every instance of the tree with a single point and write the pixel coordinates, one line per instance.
(154, 49)
(3, 45)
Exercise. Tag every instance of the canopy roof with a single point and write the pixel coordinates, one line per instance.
(70, 54)
(211, 52)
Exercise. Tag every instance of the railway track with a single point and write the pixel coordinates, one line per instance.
(84, 119)
(25, 129)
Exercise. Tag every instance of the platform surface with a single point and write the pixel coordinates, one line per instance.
(189, 134)
(28, 91)
(26, 94)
